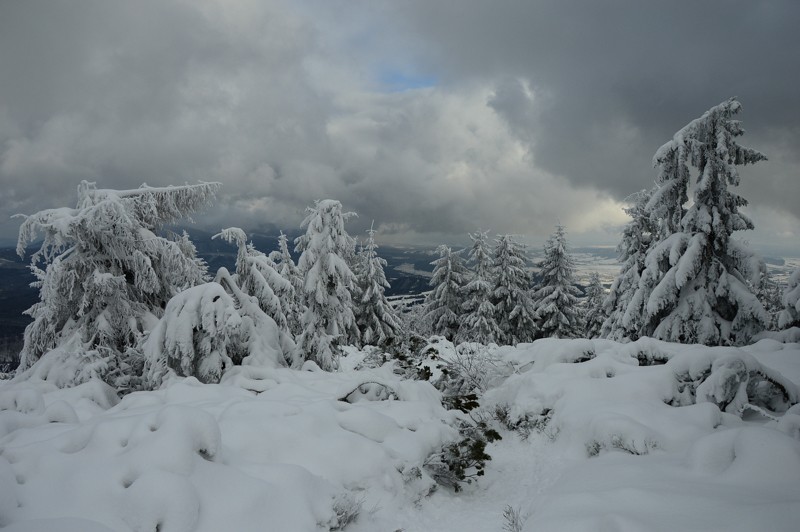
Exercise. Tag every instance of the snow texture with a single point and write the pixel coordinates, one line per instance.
(597, 435)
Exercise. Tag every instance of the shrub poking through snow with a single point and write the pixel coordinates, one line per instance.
(462, 461)
(347, 508)
(526, 423)
(467, 369)
(513, 520)
(620, 443)
(731, 381)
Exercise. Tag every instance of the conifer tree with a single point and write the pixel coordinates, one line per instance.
(294, 307)
(555, 299)
(444, 303)
(511, 293)
(328, 283)
(377, 321)
(790, 315)
(595, 315)
(695, 286)
(478, 323)
(257, 276)
(624, 314)
(108, 276)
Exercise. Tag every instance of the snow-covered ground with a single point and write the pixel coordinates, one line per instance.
(595, 436)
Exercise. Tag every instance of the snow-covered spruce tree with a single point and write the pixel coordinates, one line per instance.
(555, 298)
(511, 298)
(695, 282)
(293, 309)
(770, 294)
(108, 275)
(208, 328)
(444, 302)
(594, 316)
(478, 323)
(790, 315)
(377, 321)
(328, 284)
(624, 315)
(257, 276)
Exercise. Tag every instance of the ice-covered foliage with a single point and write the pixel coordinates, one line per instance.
(208, 329)
(770, 294)
(555, 299)
(444, 304)
(257, 275)
(624, 312)
(478, 322)
(511, 293)
(790, 315)
(465, 370)
(293, 307)
(328, 284)
(594, 317)
(108, 275)
(697, 278)
(377, 321)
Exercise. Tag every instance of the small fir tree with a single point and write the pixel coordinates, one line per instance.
(770, 295)
(478, 323)
(624, 314)
(595, 316)
(293, 307)
(207, 329)
(556, 300)
(695, 286)
(257, 276)
(511, 293)
(377, 321)
(790, 315)
(328, 284)
(444, 303)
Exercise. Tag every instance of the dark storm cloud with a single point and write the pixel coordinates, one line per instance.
(615, 79)
(540, 110)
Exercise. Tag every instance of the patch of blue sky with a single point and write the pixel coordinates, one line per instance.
(395, 80)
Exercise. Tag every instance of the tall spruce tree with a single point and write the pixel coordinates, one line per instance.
(444, 302)
(624, 313)
(555, 299)
(377, 321)
(594, 316)
(328, 283)
(108, 275)
(511, 293)
(478, 323)
(695, 286)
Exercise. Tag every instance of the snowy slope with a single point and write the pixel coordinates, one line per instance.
(596, 436)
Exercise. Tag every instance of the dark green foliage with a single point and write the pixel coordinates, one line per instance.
(463, 461)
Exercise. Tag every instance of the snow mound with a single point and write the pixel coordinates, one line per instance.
(267, 446)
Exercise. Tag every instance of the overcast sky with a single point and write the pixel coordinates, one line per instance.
(431, 117)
